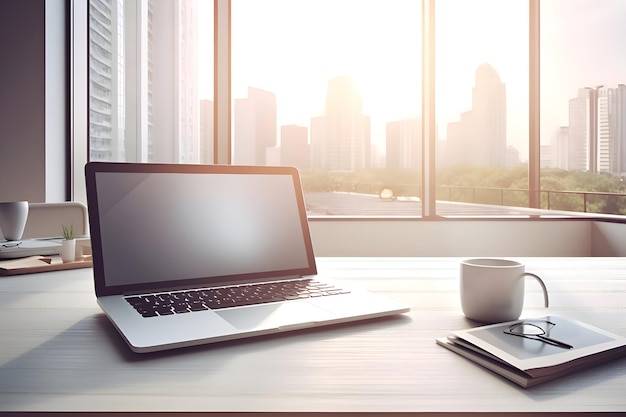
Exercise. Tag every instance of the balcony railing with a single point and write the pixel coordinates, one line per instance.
(576, 201)
(572, 201)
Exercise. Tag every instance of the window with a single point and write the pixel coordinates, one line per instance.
(151, 81)
(334, 87)
(583, 106)
(481, 74)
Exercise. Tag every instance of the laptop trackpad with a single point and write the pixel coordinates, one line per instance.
(273, 316)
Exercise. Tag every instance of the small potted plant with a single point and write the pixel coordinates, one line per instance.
(68, 245)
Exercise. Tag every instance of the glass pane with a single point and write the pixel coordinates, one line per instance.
(482, 90)
(151, 80)
(583, 106)
(332, 87)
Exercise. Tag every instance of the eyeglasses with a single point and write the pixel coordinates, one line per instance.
(534, 331)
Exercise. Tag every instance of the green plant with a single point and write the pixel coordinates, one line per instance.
(68, 232)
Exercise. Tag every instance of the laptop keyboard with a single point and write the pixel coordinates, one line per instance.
(167, 303)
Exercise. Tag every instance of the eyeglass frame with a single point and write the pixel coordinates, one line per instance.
(539, 337)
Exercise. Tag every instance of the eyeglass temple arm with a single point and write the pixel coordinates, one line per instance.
(541, 338)
(555, 342)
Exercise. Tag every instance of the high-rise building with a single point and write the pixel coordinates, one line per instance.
(612, 130)
(560, 147)
(605, 99)
(546, 156)
(173, 99)
(340, 139)
(255, 127)
(479, 138)
(597, 130)
(106, 80)
(143, 63)
(294, 147)
(619, 112)
(578, 137)
(404, 144)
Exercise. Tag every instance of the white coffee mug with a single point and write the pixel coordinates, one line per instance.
(492, 290)
(13, 216)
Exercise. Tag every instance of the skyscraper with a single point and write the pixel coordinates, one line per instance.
(612, 130)
(560, 147)
(597, 130)
(605, 139)
(619, 112)
(143, 81)
(578, 143)
(294, 147)
(340, 139)
(404, 144)
(479, 138)
(255, 127)
(106, 79)
(173, 70)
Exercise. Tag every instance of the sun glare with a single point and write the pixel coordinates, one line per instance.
(469, 34)
(296, 52)
(293, 53)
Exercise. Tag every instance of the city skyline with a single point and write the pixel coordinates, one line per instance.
(478, 137)
(359, 50)
(469, 34)
(334, 148)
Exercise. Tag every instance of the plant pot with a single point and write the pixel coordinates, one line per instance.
(68, 250)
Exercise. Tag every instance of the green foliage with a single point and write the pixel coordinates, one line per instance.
(366, 181)
(560, 189)
(575, 191)
(316, 181)
(68, 232)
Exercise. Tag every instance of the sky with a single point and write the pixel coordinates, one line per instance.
(293, 47)
(310, 42)
(582, 46)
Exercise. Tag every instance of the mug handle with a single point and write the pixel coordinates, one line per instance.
(543, 286)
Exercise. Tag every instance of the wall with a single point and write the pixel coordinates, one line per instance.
(608, 239)
(32, 113)
(455, 238)
(30, 122)
(56, 100)
(22, 100)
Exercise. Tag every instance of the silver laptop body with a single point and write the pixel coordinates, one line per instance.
(170, 231)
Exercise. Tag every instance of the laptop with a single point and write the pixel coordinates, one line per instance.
(186, 255)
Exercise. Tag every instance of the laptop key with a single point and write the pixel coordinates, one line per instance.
(236, 296)
(198, 307)
(164, 311)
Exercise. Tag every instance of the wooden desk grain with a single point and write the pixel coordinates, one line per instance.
(59, 353)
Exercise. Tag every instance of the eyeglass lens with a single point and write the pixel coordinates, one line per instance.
(528, 329)
(535, 332)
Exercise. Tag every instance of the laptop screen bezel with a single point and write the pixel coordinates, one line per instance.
(101, 288)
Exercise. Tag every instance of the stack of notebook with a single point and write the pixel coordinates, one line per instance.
(532, 351)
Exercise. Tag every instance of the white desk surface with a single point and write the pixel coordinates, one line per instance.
(59, 353)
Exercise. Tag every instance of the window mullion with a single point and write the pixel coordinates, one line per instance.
(222, 80)
(534, 168)
(429, 137)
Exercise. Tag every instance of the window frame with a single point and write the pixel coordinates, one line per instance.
(79, 40)
(222, 45)
(79, 98)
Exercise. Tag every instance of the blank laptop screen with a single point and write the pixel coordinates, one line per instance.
(169, 226)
